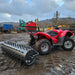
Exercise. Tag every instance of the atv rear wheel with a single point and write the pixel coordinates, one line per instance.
(68, 44)
(43, 46)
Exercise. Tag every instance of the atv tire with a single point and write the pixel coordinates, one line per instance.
(68, 44)
(43, 46)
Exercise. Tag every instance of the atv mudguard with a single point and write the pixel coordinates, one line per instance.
(42, 34)
(66, 33)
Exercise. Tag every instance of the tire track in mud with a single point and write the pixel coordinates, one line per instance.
(9, 63)
(53, 64)
(59, 62)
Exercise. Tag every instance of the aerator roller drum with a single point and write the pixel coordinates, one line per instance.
(21, 51)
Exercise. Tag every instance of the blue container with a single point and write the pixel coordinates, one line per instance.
(7, 26)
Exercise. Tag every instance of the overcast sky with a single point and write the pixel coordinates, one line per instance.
(13, 10)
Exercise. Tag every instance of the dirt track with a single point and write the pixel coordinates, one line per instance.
(58, 62)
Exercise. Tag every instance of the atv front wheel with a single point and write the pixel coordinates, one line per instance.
(43, 46)
(68, 44)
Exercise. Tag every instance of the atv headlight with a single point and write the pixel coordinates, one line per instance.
(36, 37)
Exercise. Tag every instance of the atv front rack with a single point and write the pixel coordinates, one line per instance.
(20, 50)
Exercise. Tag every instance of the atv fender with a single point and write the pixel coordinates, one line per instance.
(42, 34)
(66, 33)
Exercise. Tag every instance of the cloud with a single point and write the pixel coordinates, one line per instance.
(67, 9)
(21, 8)
(69, 4)
(35, 7)
(8, 15)
(57, 0)
(3, 1)
(13, 10)
(3, 17)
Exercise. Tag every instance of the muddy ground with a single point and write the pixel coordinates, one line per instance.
(58, 62)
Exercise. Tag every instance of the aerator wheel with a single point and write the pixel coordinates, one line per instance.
(68, 44)
(29, 58)
(43, 46)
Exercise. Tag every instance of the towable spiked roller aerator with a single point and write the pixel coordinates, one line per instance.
(20, 50)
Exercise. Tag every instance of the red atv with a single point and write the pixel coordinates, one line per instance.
(44, 41)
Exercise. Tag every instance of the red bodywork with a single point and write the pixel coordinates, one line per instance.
(31, 26)
(60, 33)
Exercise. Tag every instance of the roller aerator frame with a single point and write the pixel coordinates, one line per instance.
(21, 51)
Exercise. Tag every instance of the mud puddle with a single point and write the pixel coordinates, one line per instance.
(59, 62)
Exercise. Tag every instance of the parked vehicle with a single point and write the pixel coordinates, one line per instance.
(40, 43)
(29, 26)
(44, 41)
(7, 26)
